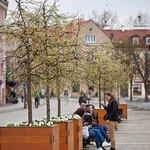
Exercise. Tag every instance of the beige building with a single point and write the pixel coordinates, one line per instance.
(92, 39)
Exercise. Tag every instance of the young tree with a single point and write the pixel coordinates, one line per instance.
(103, 73)
(45, 47)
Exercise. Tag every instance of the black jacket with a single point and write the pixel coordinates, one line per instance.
(82, 100)
(112, 111)
(88, 118)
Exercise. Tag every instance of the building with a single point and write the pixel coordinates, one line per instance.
(92, 39)
(3, 13)
(139, 36)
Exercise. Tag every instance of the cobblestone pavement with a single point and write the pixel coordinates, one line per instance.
(133, 133)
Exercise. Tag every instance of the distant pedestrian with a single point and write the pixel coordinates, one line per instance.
(66, 94)
(52, 94)
(23, 95)
(37, 97)
(82, 98)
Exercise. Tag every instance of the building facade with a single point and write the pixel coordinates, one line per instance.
(3, 13)
(92, 39)
(139, 36)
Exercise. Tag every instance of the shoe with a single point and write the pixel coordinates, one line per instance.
(103, 148)
(112, 148)
(93, 143)
(100, 148)
(107, 139)
(105, 144)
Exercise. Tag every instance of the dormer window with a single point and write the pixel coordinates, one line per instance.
(148, 40)
(135, 40)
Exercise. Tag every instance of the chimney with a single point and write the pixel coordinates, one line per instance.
(106, 28)
(122, 28)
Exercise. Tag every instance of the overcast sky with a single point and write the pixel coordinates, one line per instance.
(124, 8)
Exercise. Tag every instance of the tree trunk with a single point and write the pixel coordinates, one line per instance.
(48, 102)
(99, 95)
(131, 85)
(29, 96)
(58, 97)
(146, 92)
(59, 107)
(29, 99)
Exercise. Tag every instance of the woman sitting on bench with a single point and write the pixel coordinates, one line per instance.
(88, 120)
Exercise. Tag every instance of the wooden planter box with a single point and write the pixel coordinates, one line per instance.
(124, 110)
(101, 112)
(66, 135)
(31, 138)
(78, 138)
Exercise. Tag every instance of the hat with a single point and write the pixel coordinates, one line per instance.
(83, 104)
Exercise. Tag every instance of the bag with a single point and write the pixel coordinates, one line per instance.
(105, 117)
(85, 132)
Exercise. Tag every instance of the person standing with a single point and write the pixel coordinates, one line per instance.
(22, 94)
(111, 116)
(37, 97)
(82, 98)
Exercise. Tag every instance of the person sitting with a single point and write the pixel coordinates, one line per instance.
(88, 119)
(93, 133)
(99, 140)
(80, 112)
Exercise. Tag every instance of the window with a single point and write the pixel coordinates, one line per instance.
(137, 89)
(148, 55)
(135, 40)
(90, 38)
(148, 40)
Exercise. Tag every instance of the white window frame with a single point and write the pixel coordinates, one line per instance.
(90, 38)
(148, 40)
(135, 40)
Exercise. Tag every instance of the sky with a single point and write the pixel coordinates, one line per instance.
(123, 8)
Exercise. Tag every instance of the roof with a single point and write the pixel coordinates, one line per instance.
(120, 34)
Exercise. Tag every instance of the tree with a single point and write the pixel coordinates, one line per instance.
(140, 19)
(106, 18)
(103, 72)
(45, 47)
(136, 58)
